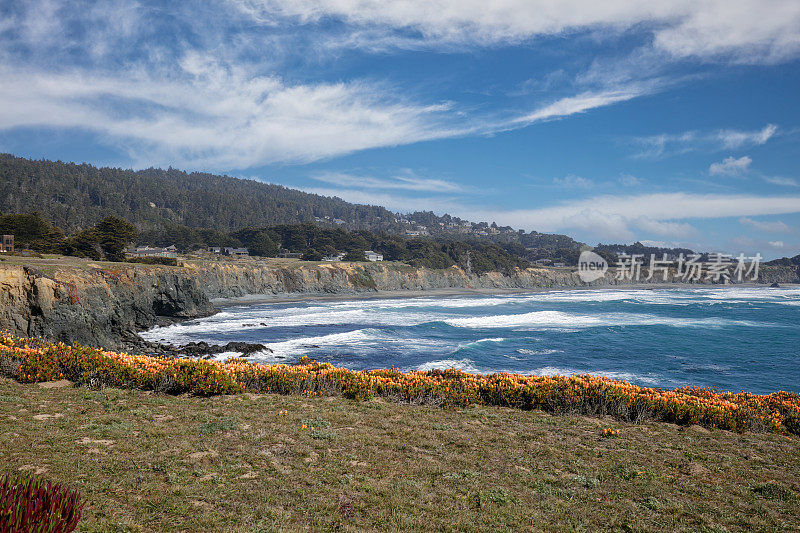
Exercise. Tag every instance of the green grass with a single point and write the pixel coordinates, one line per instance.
(150, 462)
(48, 264)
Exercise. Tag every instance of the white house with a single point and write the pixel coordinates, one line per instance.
(373, 256)
(237, 252)
(146, 251)
(333, 257)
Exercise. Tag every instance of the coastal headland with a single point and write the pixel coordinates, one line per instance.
(105, 304)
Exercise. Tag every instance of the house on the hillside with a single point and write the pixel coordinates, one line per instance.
(237, 252)
(170, 252)
(334, 257)
(7, 244)
(215, 250)
(286, 254)
(369, 255)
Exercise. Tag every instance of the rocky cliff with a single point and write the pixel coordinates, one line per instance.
(99, 307)
(226, 280)
(105, 305)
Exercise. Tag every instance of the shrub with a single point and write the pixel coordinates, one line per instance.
(773, 491)
(31, 360)
(28, 503)
(168, 261)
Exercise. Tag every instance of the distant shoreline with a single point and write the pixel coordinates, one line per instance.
(257, 299)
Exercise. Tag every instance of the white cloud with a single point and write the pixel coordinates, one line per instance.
(737, 139)
(219, 117)
(573, 182)
(748, 31)
(210, 114)
(619, 217)
(688, 141)
(754, 245)
(583, 102)
(409, 182)
(629, 181)
(665, 228)
(730, 166)
(778, 180)
(770, 227)
(215, 100)
(663, 244)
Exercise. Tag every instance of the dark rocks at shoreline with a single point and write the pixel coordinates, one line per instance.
(101, 305)
(199, 350)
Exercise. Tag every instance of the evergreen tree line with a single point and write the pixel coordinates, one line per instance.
(76, 196)
(105, 240)
(108, 239)
(315, 242)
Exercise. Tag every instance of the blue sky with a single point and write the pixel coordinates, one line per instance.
(674, 122)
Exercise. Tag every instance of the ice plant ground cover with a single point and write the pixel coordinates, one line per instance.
(34, 360)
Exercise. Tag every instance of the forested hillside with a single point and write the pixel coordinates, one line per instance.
(75, 196)
(198, 209)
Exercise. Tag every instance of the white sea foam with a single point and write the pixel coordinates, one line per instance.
(465, 365)
(226, 355)
(624, 376)
(559, 319)
(475, 344)
(491, 339)
(295, 347)
(185, 331)
(546, 351)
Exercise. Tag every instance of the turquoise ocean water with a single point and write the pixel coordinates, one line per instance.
(728, 338)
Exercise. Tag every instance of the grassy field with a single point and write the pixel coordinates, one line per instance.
(51, 262)
(151, 462)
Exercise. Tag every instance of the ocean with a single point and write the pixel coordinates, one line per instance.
(728, 338)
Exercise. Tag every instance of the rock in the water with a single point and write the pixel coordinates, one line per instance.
(202, 348)
(775, 286)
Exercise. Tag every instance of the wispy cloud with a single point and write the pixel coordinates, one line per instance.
(629, 180)
(775, 226)
(408, 181)
(737, 139)
(189, 83)
(689, 141)
(583, 102)
(730, 166)
(572, 181)
(215, 116)
(747, 31)
(622, 217)
(778, 180)
(751, 245)
(210, 114)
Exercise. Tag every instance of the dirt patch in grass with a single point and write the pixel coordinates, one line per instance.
(151, 462)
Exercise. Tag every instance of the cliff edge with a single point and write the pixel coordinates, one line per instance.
(106, 304)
